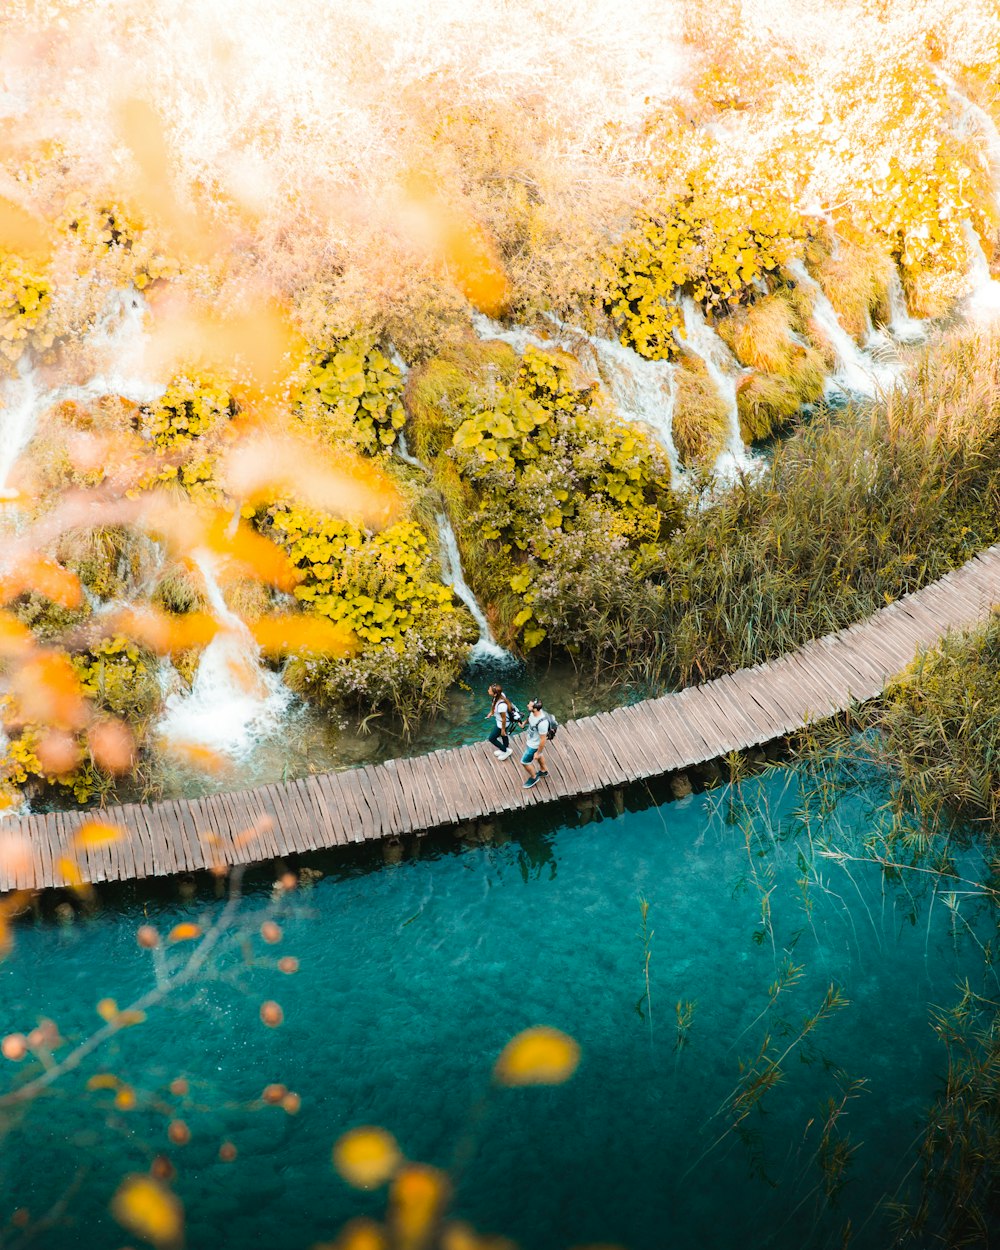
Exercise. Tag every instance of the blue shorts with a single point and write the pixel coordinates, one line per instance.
(528, 755)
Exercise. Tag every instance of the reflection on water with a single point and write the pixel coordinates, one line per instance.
(766, 1088)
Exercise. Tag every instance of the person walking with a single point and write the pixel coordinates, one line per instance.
(500, 712)
(534, 751)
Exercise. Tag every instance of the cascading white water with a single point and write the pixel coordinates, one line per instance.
(117, 340)
(18, 417)
(856, 372)
(643, 390)
(403, 452)
(234, 701)
(983, 303)
(487, 647)
(725, 372)
(902, 326)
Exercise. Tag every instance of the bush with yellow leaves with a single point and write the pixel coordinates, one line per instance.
(353, 394)
(25, 300)
(383, 587)
(549, 480)
(717, 243)
(120, 677)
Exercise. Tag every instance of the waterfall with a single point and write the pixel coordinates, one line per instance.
(902, 326)
(234, 701)
(856, 373)
(643, 390)
(117, 339)
(725, 372)
(18, 418)
(983, 302)
(403, 452)
(487, 647)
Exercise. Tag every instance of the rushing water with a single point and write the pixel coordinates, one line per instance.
(235, 701)
(414, 975)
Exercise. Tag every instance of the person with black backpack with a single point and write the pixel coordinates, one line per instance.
(507, 717)
(542, 728)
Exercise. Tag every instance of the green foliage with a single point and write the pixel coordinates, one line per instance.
(940, 725)
(856, 510)
(441, 392)
(48, 621)
(564, 490)
(120, 677)
(25, 300)
(359, 390)
(700, 421)
(713, 242)
(384, 588)
(21, 770)
(193, 406)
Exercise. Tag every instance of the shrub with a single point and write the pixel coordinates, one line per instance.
(383, 587)
(715, 242)
(938, 724)
(120, 678)
(358, 390)
(700, 420)
(25, 301)
(192, 407)
(544, 461)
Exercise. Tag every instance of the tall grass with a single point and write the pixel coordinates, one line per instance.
(855, 511)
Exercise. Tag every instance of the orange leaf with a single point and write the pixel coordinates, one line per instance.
(416, 1200)
(48, 691)
(278, 635)
(147, 1208)
(366, 1157)
(103, 1080)
(539, 1056)
(165, 633)
(262, 467)
(44, 575)
(254, 555)
(184, 932)
(15, 639)
(96, 833)
(197, 756)
(112, 745)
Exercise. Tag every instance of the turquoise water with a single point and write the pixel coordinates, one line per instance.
(414, 975)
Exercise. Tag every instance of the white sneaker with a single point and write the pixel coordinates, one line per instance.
(498, 754)
(505, 755)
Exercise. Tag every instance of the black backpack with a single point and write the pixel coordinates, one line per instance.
(514, 718)
(553, 726)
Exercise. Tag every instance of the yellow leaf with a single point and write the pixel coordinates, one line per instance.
(366, 1157)
(418, 1195)
(94, 833)
(107, 1009)
(147, 1208)
(103, 1080)
(539, 1056)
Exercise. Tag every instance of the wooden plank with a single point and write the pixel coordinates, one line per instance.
(338, 793)
(332, 824)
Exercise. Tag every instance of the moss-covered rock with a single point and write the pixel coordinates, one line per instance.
(700, 423)
(48, 621)
(109, 560)
(856, 282)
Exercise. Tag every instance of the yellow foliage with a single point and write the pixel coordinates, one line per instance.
(25, 299)
(145, 1207)
(539, 1056)
(367, 1157)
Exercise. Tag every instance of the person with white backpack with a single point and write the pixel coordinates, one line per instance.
(542, 728)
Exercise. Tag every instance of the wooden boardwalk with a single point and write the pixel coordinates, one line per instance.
(448, 787)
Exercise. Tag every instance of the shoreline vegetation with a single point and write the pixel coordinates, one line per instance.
(665, 391)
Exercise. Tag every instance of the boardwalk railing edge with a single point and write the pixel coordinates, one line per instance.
(412, 795)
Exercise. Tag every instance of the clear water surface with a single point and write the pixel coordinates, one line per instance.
(414, 974)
